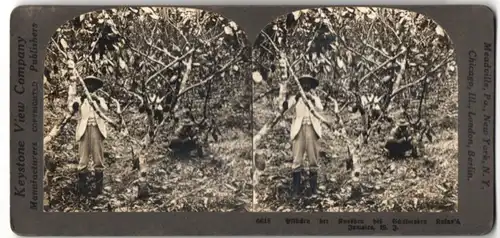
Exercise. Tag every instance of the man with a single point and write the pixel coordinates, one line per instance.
(400, 132)
(305, 132)
(400, 140)
(90, 132)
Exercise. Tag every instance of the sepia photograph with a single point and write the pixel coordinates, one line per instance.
(354, 110)
(148, 109)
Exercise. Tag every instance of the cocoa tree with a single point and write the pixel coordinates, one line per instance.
(162, 68)
(386, 55)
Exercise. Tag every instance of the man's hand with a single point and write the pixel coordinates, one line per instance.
(96, 98)
(101, 102)
(309, 97)
(75, 106)
(285, 105)
(312, 96)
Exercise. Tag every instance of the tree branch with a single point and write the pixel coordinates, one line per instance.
(380, 66)
(169, 65)
(391, 28)
(147, 56)
(397, 91)
(164, 50)
(182, 92)
(185, 77)
(56, 129)
(262, 95)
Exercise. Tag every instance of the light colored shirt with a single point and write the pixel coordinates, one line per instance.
(303, 114)
(307, 117)
(92, 121)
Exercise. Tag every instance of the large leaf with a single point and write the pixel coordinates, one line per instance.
(228, 31)
(64, 44)
(122, 63)
(439, 31)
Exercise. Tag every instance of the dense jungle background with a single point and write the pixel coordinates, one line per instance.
(166, 72)
(391, 65)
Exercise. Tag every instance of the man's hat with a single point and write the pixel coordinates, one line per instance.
(403, 122)
(94, 82)
(308, 79)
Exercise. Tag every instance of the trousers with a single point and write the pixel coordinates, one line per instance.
(91, 144)
(305, 143)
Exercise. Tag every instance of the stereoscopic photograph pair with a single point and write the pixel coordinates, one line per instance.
(149, 109)
(335, 109)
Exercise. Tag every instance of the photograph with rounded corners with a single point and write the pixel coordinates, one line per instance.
(148, 109)
(355, 109)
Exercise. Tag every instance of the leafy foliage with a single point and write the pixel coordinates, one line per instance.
(163, 69)
(402, 58)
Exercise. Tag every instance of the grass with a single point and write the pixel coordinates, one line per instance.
(428, 183)
(220, 181)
